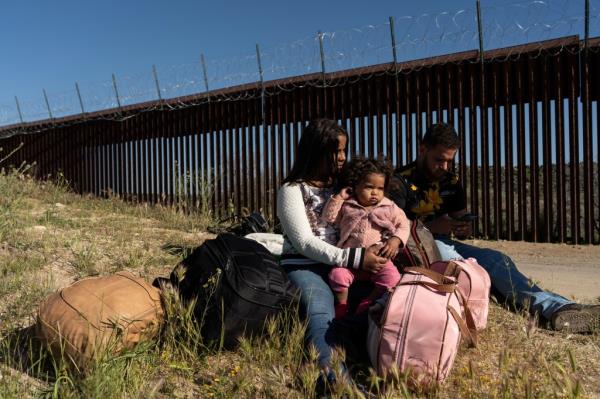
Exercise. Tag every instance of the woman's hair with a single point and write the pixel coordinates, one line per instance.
(359, 167)
(315, 156)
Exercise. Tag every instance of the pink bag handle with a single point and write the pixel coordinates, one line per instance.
(447, 288)
(444, 283)
(435, 276)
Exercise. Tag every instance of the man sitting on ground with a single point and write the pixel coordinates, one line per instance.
(426, 189)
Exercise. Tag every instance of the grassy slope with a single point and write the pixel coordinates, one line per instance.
(50, 237)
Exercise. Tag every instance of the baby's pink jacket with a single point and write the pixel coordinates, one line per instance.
(362, 228)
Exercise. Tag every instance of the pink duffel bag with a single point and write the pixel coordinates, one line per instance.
(418, 327)
(473, 283)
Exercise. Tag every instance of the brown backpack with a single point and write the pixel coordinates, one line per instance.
(99, 315)
(420, 249)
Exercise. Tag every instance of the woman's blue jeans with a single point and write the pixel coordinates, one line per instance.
(507, 281)
(316, 305)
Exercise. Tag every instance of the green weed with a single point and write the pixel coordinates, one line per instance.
(83, 236)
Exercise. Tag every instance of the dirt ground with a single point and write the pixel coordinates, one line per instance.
(572, 271)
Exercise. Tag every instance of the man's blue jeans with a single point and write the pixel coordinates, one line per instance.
(316, 305)
(507, 280)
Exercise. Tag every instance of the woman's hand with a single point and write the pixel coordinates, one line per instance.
(373, 262)
(390, 248)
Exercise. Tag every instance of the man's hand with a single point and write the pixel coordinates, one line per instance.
(446, 225)
(462, 229)
(373, 262)
(390, 248)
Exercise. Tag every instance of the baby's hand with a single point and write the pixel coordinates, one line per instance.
(390, 248)
(345, 193)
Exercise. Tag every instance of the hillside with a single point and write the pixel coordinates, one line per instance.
(50, 237)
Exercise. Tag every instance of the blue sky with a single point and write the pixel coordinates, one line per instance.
(51, 45)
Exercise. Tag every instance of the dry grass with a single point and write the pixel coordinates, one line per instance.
(50, 237)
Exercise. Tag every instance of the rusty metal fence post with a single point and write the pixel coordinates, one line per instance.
(526, 125)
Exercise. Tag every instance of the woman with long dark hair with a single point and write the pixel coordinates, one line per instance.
(309, 250)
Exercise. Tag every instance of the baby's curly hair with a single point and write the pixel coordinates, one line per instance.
(359, 167)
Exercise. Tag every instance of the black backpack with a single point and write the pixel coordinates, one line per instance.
(253, 223)
(237, 283)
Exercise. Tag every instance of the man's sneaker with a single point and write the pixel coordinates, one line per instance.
(577, 318)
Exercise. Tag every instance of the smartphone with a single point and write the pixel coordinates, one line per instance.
(468, 217)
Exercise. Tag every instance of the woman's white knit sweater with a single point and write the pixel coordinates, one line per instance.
(301, 244)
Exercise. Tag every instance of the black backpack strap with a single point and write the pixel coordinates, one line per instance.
(256, 223)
